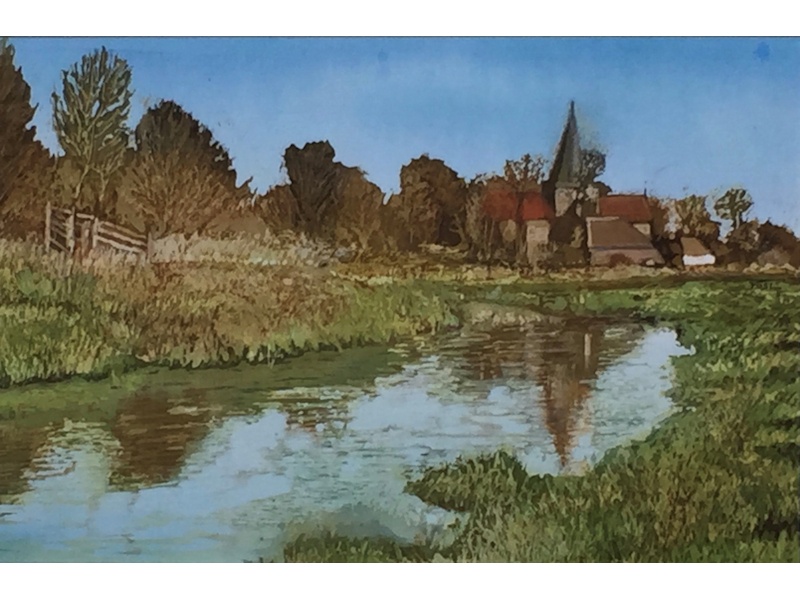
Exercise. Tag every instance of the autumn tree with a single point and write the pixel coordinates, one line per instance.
(695, 220)
(90, 120)
(733, 206)
(278, 208)
(431, 205)
(359, 213)
(181, 178)
(526, 173)
(314, 178)
(25, 165)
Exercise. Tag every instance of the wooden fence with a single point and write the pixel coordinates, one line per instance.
(77, 234)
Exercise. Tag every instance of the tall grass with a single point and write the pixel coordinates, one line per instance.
(58, 319)
(718, 481)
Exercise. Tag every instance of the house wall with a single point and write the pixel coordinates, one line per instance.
(637, 256)
(536, 236)
(697, 261)
(644, 228)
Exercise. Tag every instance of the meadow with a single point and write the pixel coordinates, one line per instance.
(716, 482)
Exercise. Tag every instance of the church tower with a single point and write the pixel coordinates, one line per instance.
(561, 187)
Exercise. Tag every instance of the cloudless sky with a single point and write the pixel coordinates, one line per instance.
(677, 115)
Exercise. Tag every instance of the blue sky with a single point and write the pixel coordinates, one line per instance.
(677, 115)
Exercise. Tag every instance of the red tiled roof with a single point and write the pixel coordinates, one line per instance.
(632, 208)
(534, 207)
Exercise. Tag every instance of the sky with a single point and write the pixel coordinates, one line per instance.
(674, 115)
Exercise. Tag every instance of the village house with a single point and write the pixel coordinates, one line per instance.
(535, 214)
(612, 240)
(633, 208)
(695, 254)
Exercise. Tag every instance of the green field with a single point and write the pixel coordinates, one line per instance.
(718, 481)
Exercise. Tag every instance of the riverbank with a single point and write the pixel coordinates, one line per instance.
(716, 482)
(57, 321)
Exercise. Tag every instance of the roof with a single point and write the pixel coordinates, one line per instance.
(693, 247)
(567, 161)
(632, 208)
(534, 207)
(610, 232)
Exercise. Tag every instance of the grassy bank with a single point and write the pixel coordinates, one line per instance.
(58, 321)
(718, 481)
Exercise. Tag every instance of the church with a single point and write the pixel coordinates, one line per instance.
(572, 216)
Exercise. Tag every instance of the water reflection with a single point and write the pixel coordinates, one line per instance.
(217, 465)
(558, 363)
(155, 434)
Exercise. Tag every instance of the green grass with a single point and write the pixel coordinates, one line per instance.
(57, 322)
(718, 481)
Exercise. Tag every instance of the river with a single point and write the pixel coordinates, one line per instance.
(227, 464)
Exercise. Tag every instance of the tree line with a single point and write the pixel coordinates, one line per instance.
(169, 175)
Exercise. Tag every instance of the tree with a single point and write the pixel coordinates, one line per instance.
(359, 211)
(526, 173)
(733, 206)
(593, 164)
(278, 208)
(431, 204)
(181, 178)
(695, 220)
(16, 113)
(90, 121)
(314, 178)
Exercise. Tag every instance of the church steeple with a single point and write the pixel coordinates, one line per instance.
(567, 162)
(564, 176)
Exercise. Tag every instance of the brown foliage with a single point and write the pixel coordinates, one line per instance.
(359, 212)
(23, 161)
(431, 205)
(279, 208)
(314, 178)
(180, 178)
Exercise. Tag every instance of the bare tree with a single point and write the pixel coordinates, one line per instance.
(358, 219)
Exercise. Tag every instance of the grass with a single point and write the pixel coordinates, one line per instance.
(718, 481)
(58, 321)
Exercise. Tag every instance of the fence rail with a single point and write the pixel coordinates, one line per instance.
(79, 233)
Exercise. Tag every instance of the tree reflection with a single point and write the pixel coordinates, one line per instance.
(21, 447)
(156, 434)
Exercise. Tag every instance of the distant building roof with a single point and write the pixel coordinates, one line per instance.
(612, 232)
(691, 246)
(634, 208)
(567, 160)
(534, 207)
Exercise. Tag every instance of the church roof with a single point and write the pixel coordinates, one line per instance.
(567, 161)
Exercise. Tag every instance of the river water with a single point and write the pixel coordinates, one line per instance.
(227, 464)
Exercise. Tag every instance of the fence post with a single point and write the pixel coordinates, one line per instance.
(47, 212)
(95, 232)
(150, 246)
(70, 227)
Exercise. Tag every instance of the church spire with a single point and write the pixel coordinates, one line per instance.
(567, 161)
